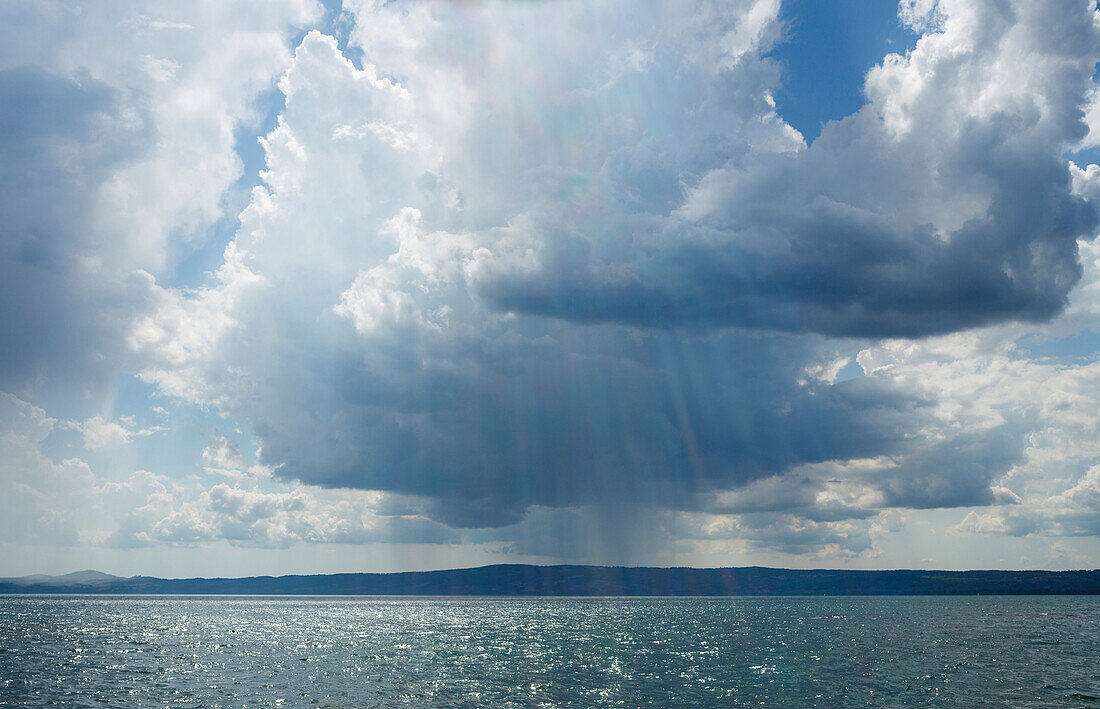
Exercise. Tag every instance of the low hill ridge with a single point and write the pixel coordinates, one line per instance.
(572, 580)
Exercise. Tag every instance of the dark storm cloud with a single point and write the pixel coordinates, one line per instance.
(813, 242)
(601, 415)
(944, 204)
(957, 472)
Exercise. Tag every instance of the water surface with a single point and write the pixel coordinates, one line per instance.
(608, 652)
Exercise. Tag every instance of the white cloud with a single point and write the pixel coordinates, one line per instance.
(152, 511)
(118, 151)
(100, 433)
(41, 500)
(983, 523)
(222, 456)
(46, 502)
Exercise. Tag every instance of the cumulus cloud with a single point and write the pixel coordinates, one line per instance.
(48, 502)
(538, 269)
(151, 510)
(41, 500)
(1073, 512)
(496, 274)
(223, 455)
(100, 433)
(1040, 407)
(117, 130)
(945, 203)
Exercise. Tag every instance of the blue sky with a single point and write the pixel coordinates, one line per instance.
(291, 287)
(829, 48)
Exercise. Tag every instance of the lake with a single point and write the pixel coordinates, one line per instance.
(186, 651)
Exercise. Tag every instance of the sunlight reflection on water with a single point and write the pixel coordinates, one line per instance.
(473, 652)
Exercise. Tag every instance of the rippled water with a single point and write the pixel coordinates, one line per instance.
(469, 652)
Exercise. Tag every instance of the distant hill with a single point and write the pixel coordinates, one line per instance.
(525, 580)
(76, 578)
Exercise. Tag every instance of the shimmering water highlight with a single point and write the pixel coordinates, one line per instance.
(476, 652)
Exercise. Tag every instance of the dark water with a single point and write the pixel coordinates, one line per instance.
(465, 652)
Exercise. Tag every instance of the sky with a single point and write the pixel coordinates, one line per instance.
(291, 287)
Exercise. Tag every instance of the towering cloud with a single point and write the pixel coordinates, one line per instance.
(515, 270)
(117, 124)
(541, 254)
